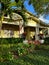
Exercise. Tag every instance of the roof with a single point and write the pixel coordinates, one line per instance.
(15, 17)
(35, 18)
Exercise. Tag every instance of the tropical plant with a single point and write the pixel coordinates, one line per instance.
(5, 10)
(40, 6)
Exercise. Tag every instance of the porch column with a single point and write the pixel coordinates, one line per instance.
(48, 31)
(28, 34)
(0, 28)
(21, 28)
(37, 32)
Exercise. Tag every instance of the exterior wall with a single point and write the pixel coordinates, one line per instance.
(13, 27)
(30, 32)
(16, 34)
(10, 31)
(2, 33)
(31, 22)
(5, 34)
(27, 15)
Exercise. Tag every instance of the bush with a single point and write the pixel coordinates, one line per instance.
(37, 47)
(12, 51)
(10, 40)
(5, 54)
(42, 47)
(19, 49)
(46, 40)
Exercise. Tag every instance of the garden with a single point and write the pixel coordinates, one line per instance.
(15, 52)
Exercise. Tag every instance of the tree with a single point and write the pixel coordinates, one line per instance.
(5, 10)
(40, 6)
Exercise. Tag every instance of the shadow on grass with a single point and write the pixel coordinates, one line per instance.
(42, 53)
(31, 61)
(36, 58)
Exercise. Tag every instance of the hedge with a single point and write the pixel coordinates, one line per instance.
(10, 40)
(46, 40)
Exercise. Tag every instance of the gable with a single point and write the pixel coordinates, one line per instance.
(34, 20)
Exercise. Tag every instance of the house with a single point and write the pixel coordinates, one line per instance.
(14, 28)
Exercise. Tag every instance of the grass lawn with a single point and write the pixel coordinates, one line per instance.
(37, 57)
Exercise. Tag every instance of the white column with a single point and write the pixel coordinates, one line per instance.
(21, 27)
(37, 32)
(48, 31)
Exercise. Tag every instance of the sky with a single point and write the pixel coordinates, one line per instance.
(30, 8)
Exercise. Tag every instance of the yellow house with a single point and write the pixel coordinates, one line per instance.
(14, 28)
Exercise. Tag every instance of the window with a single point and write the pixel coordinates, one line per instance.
(8, 33)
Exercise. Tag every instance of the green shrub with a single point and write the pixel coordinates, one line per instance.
(19, 49)
(10, 40)
(9, 51)
(31, 47)
(42, 47)
(2, 41)
(27, 48)
(46, 40)
(6, 55)
(37, 47)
